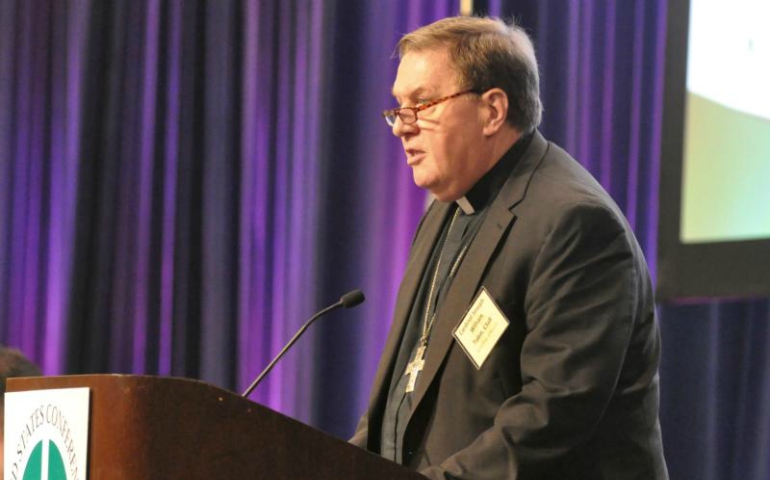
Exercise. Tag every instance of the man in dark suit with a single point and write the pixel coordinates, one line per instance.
(524, 343)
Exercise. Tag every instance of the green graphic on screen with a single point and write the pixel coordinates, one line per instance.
(726, 167)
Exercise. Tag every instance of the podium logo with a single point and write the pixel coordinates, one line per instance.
(45, 463)
(45, 449)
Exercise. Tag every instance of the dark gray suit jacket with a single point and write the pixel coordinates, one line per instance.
(571, 389)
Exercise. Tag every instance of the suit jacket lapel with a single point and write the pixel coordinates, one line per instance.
(465, 285)
(421, 252)
(460, 293)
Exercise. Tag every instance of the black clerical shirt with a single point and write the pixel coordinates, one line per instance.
(465, 220)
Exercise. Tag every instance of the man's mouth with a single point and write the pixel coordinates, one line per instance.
(413, 155)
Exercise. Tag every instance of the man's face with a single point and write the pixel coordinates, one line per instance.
(446, 144)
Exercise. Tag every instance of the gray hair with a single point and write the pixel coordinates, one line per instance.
(488, 53)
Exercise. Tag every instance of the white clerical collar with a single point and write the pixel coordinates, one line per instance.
(465, 205)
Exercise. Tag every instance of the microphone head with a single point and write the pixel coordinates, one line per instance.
(351, 299)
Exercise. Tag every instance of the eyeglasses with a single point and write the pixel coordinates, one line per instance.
(408, 115)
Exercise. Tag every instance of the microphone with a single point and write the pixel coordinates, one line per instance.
(349, 300)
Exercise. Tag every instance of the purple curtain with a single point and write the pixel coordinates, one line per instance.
(41, 73)
(602, 68)
(183, 183)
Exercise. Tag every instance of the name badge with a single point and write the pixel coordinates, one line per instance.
(481, 328)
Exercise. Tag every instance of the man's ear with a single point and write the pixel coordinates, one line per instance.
(496, 108)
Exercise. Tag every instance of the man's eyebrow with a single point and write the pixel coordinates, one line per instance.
(419, 91)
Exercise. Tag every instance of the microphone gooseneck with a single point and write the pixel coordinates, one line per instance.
(349, 300)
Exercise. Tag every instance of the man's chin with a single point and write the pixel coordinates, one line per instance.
(439, 191)
(440, 194)
(425, 185)
(420, 180)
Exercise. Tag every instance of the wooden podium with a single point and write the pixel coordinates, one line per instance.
(146, 428)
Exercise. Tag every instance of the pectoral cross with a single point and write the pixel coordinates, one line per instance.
(414, 368)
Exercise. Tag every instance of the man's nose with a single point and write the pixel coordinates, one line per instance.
(400, 128)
